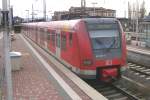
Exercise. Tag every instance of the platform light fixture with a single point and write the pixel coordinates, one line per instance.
(94, 3)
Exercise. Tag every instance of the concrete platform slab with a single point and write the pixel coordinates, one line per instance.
(138, 55)
(31, 82)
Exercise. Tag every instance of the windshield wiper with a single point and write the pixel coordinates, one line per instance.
(108, 49)
(100, 43)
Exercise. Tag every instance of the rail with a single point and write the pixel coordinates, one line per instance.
(127, 93)
(113, 91)
(142, 70)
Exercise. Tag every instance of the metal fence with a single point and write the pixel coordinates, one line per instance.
(139, 37)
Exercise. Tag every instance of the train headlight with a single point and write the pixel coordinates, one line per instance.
(87, 62)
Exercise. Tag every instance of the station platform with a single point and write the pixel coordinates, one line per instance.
(35, 81)
(143, 50)
(31, 82)
(139, 55)
(140, 58)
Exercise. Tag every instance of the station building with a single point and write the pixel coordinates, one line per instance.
(143, 35)
(83, 12)
(145, 30)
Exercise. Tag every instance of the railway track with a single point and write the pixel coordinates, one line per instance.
(114, 91)
(139, 70)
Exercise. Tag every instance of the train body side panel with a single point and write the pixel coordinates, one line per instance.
(85, 49)
(124, 50)
(70, 54)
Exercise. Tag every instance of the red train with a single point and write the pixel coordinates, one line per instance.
(90, 47)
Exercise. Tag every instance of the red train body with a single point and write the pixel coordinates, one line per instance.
(90, 47)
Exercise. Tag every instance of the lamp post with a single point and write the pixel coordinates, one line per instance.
(7, 62)
(32, 13)
(44, 9)
(27, 15)
(94, 3)
(49, 13)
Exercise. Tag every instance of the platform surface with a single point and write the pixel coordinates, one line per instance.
(142, 50)
(31, 82)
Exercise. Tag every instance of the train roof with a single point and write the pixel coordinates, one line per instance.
(71, 24)
(100, 20)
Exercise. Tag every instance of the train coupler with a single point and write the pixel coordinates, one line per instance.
(108, 74)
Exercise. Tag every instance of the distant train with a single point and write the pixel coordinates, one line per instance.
(90, 47)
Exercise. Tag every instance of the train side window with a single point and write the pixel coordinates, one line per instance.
(63, 42)
(48, 35)
(70, 39)
(34, 30)
(53, 38)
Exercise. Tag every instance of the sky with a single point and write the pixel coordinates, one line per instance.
(20, 6)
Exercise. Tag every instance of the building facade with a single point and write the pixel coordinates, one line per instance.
(94, 11)
(145, 29)
(58, 15)
(78, 12)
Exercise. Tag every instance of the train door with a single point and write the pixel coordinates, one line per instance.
(38, 36)
(45, 38)
(58, 39)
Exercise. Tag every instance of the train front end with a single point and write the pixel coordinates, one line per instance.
(108, 48)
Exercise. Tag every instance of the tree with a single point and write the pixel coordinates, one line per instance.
(142, 10)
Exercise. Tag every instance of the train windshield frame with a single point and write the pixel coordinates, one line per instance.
(104, 35)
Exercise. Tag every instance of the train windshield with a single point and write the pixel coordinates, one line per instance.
(104, 36)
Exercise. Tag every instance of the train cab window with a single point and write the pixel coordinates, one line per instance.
(104, 36)
(70, 39)
(63, 42)
(105, 39)
(58, 40)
